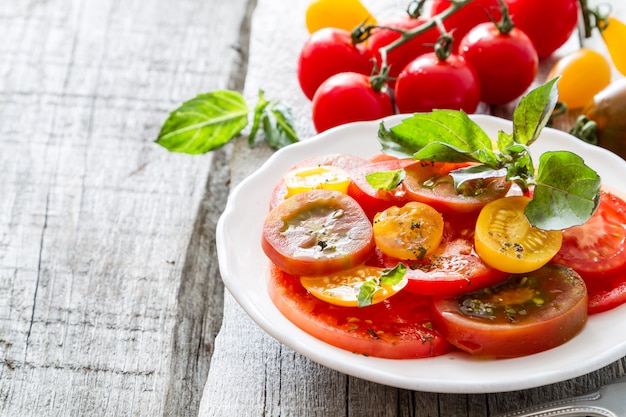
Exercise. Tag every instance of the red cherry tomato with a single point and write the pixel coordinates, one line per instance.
(470, 15)
(348, 97)
(396, 328)
(317, 232)
(330, 51)
(548, 24)
(429, 83)
(399, 57)
(526, 314)
(597, 249)
(486, 49)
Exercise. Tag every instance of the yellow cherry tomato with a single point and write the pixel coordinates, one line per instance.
(614, 35)
(343, 14)
(409, 232)
(324, 177)
(505, 239)
(583, 73)
(342, 288)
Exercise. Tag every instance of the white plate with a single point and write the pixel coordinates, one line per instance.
(242, 264)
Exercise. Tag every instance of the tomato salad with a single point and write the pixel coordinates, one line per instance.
(416, 269)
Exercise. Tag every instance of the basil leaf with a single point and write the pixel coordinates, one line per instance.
(259, 110)
(442, 135)
(388, 277)
(204, 123)
(278, 125)
(393, 276)
(566, 194)
(367, 291)
(386, 180)
(533, 112)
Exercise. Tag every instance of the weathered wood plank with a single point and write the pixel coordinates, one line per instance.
(103, 307)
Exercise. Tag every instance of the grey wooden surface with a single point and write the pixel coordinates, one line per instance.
(111, 302)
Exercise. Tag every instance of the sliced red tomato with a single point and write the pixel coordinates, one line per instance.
(528, 313)
(597, 249)
(607, 294)
(453, 269)
(375, 200)
(430, 183)
(317, 232)
(396, 328)
(344, 161)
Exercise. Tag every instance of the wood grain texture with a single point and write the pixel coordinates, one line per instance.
(103, 306)
(251, 374)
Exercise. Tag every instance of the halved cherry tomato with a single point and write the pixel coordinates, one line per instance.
(375, 200)
(430, 183)
(396, 328)
(343, 14)
(583, 73)
(506, 240)
(597, 249)
(342, 288)
(526, 314)
(317, 232)
(344, 161)
(409, 232)
(320, 177)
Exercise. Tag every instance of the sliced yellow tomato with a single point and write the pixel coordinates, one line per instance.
(583, 74)
(409, 232)
(320, 177)
(614, 35)
(505, 239)
(342, 14)
(343, 288)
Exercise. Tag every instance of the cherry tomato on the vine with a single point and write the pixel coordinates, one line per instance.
(342, 14)
(470, 15)
(348, 97)
(506, 61)
(327, 52)
(549, 24)
(429, 82)
(584, 73)
(400, 56)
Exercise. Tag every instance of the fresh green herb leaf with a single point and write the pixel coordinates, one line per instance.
(393, 276)
(534, 111)
(210, 120)
(204, 123)
(386, 180)
(388, 277)
(442, 135)
(566, 191)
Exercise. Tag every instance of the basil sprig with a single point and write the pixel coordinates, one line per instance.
(388, 277)
(209, 121)
(566, 191)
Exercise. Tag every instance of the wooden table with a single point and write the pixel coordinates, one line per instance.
(111, 302)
